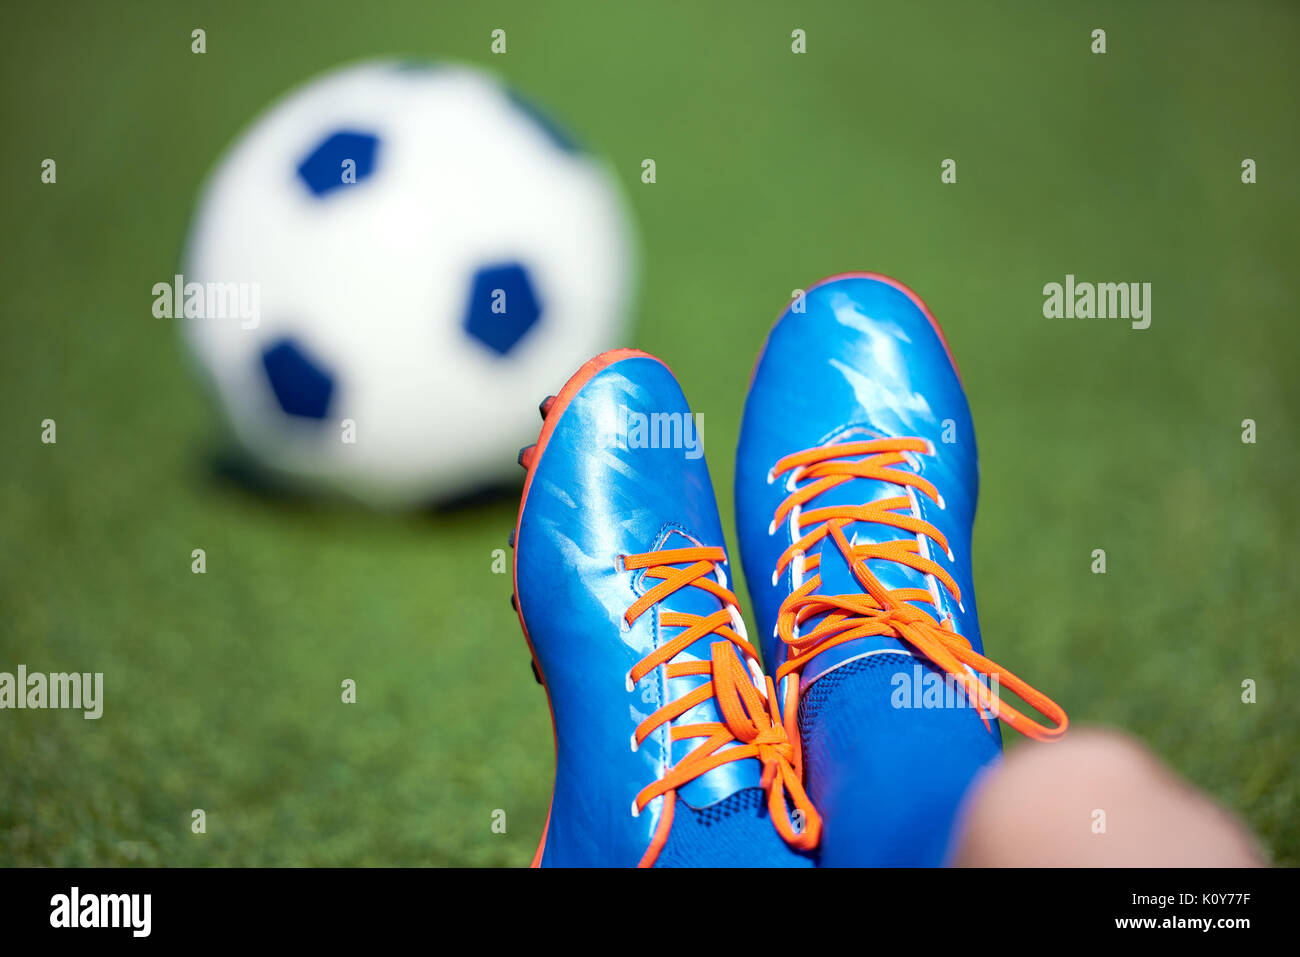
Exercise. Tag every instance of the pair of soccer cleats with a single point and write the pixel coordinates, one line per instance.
(856, 481)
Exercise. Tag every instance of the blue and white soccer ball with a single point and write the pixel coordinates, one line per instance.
(427, 256)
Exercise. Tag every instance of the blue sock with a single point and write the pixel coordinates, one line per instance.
(888, 779)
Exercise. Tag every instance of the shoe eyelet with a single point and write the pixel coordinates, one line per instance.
(771, 528)
(951, 557)
(771, 476)
(636, 811)
(941, 503)
(776, 577)
(629, 684)
(635, 746)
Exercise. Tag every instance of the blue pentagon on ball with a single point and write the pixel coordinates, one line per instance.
(322, 170)
(502, 306)
(300, 385)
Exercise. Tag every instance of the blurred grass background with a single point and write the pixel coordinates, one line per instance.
(773, 170)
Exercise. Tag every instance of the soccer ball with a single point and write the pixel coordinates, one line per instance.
(390, 268)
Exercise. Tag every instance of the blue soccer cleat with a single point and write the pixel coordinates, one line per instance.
(669, 751)
(856, 482)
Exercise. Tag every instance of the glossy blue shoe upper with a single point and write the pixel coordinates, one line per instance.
(862, 361)
(597, 494)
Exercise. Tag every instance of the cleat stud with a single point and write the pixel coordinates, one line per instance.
(536, 673)
(511, 539)
(526, 455)
(545, 406)
(514, 602)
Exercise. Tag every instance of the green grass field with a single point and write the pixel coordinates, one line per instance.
(774, 169)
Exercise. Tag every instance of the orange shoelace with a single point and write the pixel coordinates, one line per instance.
(749, 717)
(881, 611)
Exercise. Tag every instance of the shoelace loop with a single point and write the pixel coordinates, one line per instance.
(882, 611)
(750, 719)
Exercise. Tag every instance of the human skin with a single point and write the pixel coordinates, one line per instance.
(1097, 798)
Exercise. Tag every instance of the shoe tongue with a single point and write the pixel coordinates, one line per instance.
(723, 781)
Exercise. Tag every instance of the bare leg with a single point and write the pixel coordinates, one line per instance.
(1096, 799)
